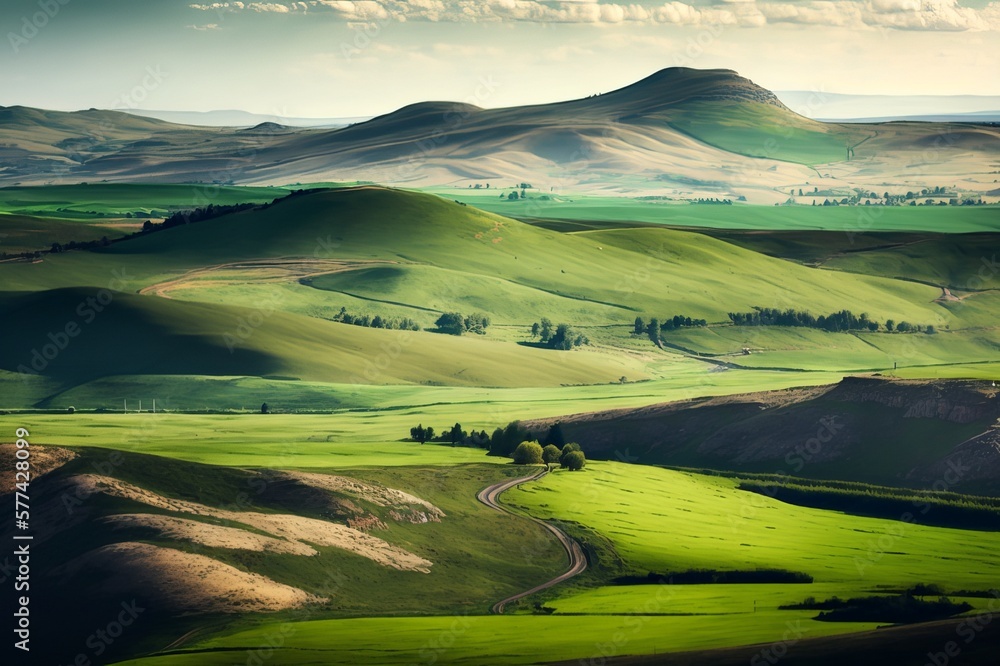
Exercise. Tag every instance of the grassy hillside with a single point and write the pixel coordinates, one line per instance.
(26, 233)
(462, 543)
(764, 130)
(654, 269)
(137, 335)
(393, 253)
(899, 433)
(634, 506)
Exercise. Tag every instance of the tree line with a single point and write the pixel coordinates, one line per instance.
(453, 434)
(845, 320)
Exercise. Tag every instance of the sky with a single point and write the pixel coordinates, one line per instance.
(334, 59)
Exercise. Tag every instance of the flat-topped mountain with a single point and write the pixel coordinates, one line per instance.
(679, 131)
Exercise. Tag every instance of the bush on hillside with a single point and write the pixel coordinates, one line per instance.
(528, 453)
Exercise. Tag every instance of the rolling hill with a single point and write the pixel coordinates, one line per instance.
(680, 131)
(290, 266)
(902, 433)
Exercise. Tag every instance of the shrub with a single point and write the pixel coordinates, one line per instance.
(566, 450)
(574, 460)
(528, 453)
(551, 453)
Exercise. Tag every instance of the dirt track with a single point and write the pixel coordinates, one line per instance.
(577, 559)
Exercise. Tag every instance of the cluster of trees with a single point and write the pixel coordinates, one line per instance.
(453, 434)
(513, 441)
(455, 323)
(654, 329)
(533, 453)
(515, 195)
(667, 324)
(562, 336)
(712, 201)
(377, 321)
(907, 327)
(517, 442)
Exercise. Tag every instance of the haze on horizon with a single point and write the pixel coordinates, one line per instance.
(327, 58)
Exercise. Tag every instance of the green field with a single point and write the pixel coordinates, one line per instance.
(101, 200)
(714, 526)
(856, 221)
(213, 319)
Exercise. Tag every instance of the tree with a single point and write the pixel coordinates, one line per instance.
(653, 330)
(930, 330)
(512, 196)
(550, 454)
(496, 441)
(457, 434)
(555, 436)
(563, 337)
(418, 434)
(575, 460)
(566, 450)
(535, 328)
(508, 439)
(545, 329)
(528, 453)
(428, 433)
(452, 323)
(264, 409)
(640, 326)
(477, 322)
(889, 325)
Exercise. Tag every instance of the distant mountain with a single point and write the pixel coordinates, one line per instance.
(880, 108)
(974, 117)
(237, 118)
(679, 132)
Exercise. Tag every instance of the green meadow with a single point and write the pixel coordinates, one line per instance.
(214, 318)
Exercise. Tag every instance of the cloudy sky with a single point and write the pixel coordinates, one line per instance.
(331, 58)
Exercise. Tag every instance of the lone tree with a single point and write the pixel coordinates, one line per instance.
(550, 454)
(264, 409)
(528, 453)
(575, 460)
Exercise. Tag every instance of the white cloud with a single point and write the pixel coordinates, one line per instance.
(943, 15)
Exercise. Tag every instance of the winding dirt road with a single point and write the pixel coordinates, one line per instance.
(577, 559)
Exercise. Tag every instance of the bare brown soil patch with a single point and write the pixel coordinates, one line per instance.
(44, 459)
